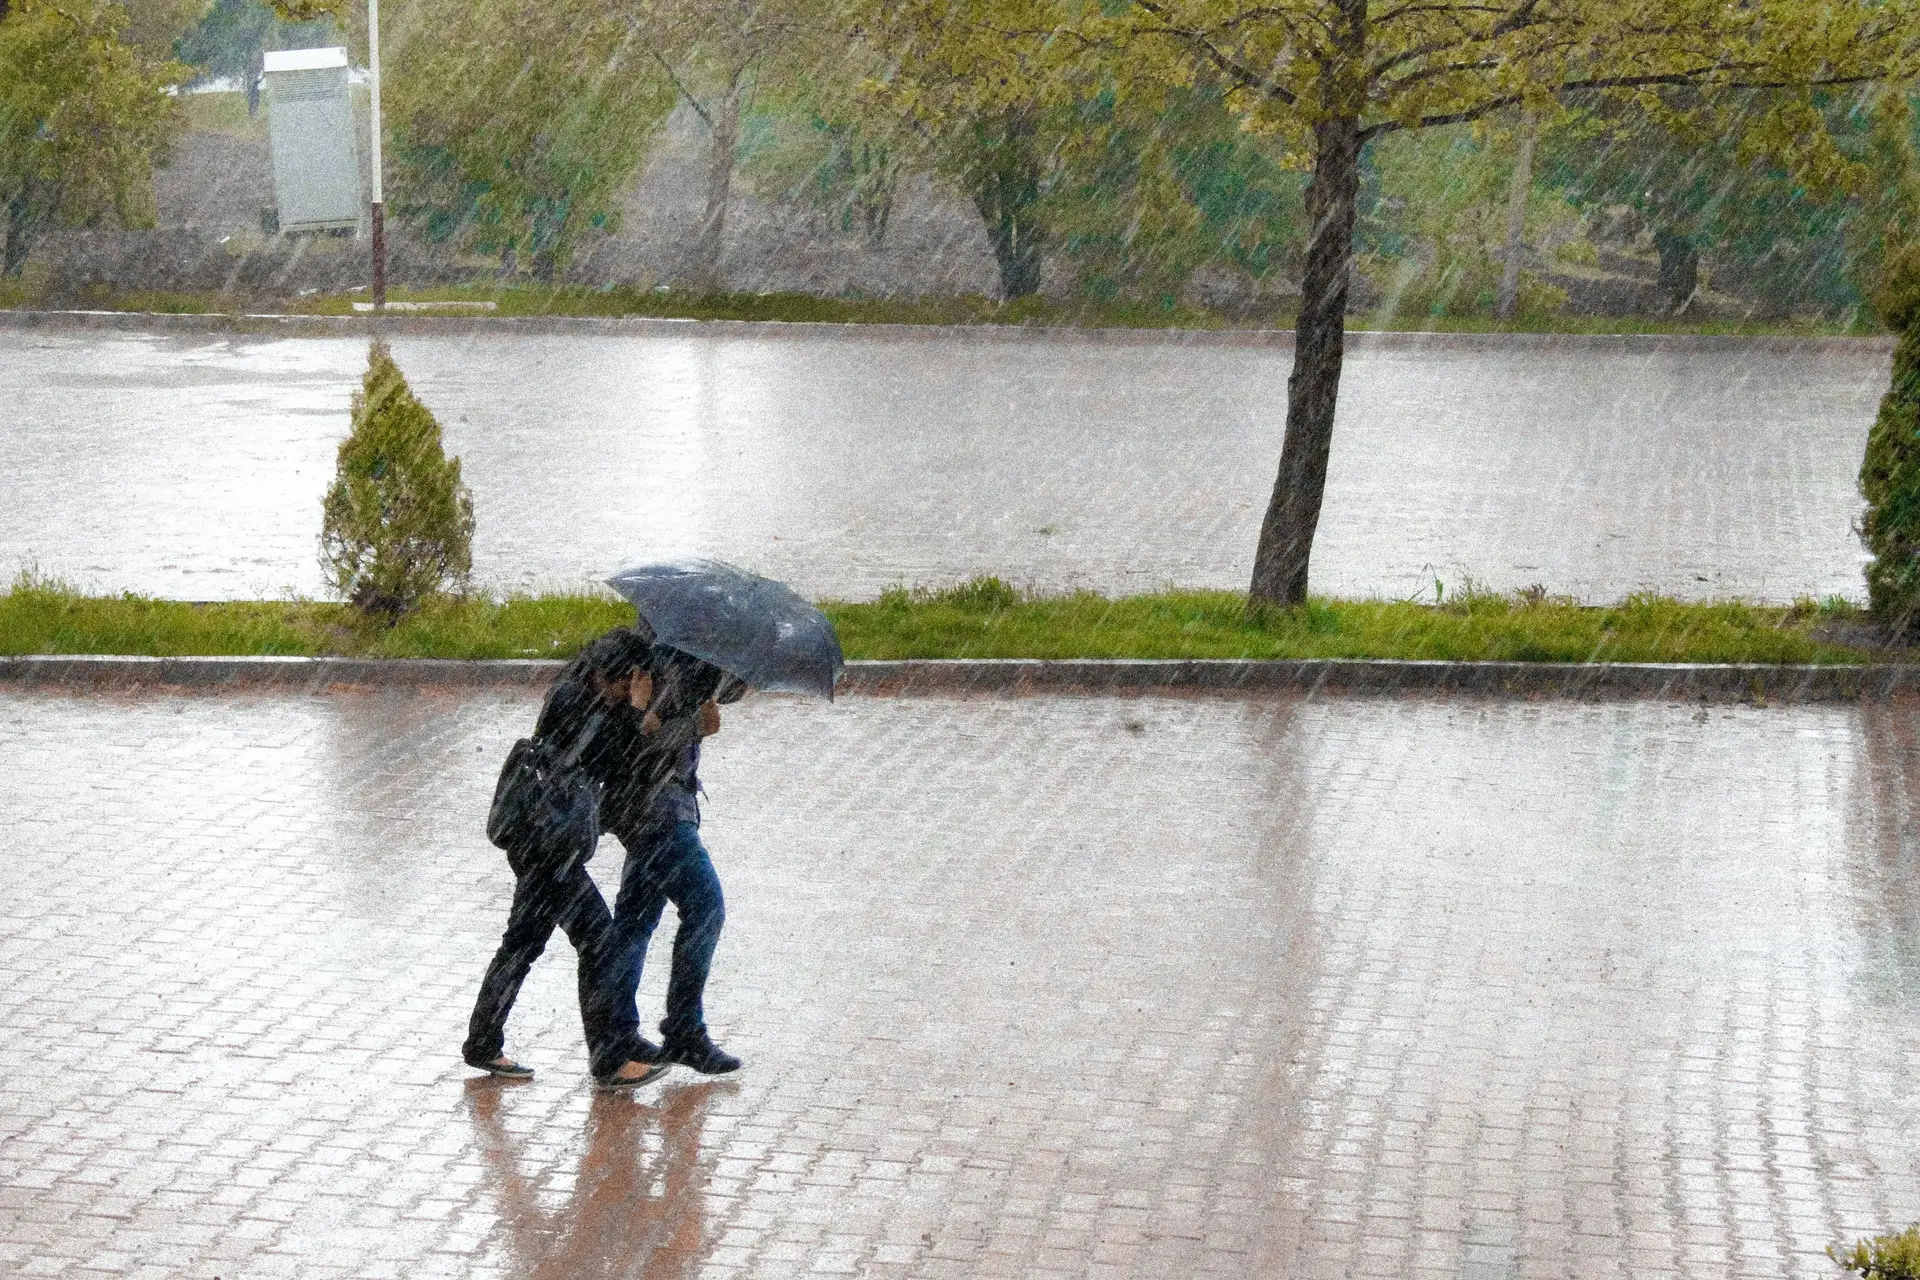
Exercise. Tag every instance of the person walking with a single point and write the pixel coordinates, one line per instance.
(654, 811)
(588, 716)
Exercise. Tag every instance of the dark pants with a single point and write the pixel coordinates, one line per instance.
(664, 864)
(544, 897)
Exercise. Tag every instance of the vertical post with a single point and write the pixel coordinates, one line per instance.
(378, 210)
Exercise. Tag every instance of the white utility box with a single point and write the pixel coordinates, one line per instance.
(316, 167)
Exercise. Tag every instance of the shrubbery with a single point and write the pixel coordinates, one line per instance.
(1891, 1257)
(1890, 473)
(398, 522)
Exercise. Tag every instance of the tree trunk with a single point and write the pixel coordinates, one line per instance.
(1517, 217)
(1319, 349)
(1679, 276)
(725, 123)
(1005, 180)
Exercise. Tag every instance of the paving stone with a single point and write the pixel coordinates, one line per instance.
(1370, 986)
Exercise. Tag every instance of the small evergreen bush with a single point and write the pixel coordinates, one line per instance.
(398, 523)
(1892, 1257)
(1890, 473)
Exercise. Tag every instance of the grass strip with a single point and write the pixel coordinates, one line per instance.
(981, 619)
(1042, 312)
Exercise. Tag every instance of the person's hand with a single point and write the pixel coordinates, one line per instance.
(640, 690)
(707, 719)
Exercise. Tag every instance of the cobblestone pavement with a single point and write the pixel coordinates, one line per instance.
(1072, 987)
(193, 466)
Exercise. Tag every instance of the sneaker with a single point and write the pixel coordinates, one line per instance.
(653, 1071)
(700, 1054)
(503, 1066)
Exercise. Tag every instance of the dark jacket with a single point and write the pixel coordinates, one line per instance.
(647, 780)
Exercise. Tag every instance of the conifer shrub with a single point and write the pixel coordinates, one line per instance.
(1890, 472)
(398, 523)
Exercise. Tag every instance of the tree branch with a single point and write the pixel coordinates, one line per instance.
(681, 89)
(1680, 79)
(1222, 61)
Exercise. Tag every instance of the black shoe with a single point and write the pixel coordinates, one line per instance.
(653, 1072)
(503, 1066)
(700, 1054)
(646, 1050)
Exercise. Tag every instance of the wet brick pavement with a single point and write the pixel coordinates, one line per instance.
(193, 466)
(1152, 987)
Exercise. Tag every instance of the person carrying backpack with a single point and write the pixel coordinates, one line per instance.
(587, 724)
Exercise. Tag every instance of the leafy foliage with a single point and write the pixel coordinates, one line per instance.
(397, 522)
(1890, 472)
(229, 40)
(514, 125)
(1431, 226)
(1888, 1257)
(1798, 225)
(84, 117)
(1146, 198)
(799, 154)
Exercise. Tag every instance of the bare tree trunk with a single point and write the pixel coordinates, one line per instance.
(724, 121)
(1319, 349)
(1517, 216)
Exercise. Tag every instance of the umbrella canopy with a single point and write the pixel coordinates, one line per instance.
(750, 627)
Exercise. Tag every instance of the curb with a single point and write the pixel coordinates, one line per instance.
(648, 326)
(1015, 677)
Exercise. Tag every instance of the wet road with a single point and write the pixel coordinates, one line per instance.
(1076, 987)
(193, 466)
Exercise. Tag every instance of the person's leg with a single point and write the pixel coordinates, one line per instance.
(536, 905)
(588, 925)
(636, 913)
(694, 889)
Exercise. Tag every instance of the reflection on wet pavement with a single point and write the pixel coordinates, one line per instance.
(1087, 986)
(192, 467)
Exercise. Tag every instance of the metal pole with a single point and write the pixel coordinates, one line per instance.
(379, 218)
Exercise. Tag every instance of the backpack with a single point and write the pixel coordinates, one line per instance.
(545, 804)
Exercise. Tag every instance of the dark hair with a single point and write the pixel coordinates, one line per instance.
(613, 656)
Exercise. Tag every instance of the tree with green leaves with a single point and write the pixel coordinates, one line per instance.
(397, 523)
(515, 126)
(718, 54)
(803, 147)
(85, 116)
(231, 39)
(1143, 200)
(1326, 78)
(1797, 227)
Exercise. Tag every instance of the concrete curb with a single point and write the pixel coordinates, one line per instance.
(1023, 677)
(642, 326)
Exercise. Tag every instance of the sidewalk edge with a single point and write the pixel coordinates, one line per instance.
(1019, 676)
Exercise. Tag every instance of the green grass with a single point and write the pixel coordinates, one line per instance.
(981, 619)
(625, 300)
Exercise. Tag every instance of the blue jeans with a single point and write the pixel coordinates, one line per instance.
(664, 864)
